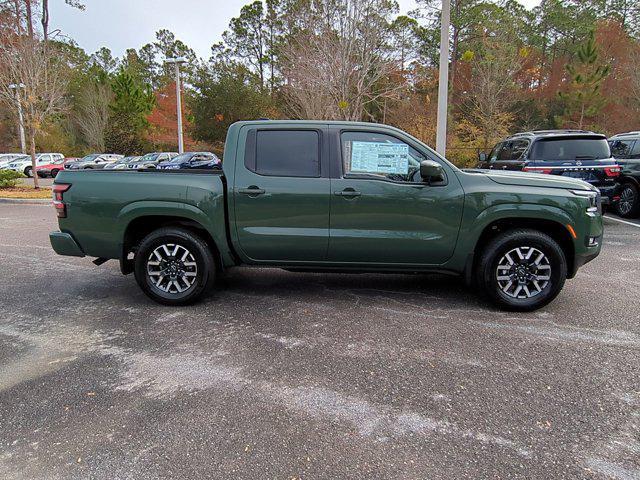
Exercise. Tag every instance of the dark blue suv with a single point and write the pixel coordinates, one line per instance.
(569, 153)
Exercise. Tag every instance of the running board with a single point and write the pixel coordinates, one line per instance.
(100, 261)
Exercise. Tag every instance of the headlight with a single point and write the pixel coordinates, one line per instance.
(593, 197)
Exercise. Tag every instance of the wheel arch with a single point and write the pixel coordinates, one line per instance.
(555, 229)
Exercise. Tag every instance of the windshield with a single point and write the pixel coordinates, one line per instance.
(570, 149)
(149, 157)
(89, 158)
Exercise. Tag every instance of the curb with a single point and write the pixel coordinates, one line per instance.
(26, 201)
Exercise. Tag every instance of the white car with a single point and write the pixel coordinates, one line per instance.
(23, 164)
(7, 158)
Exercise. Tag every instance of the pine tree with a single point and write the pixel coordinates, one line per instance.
(583, 99)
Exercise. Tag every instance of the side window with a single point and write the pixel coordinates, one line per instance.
(621, 148)
(505, 151)
(635, 153)
(45, 159)
(518, 149)
(384, 156)
(286, 153)
(493, 156)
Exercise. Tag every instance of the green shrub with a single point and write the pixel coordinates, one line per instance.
(9, 178)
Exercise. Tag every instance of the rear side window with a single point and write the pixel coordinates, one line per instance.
(570, 149)
(286, 153)
(621, 148)
(513, 150)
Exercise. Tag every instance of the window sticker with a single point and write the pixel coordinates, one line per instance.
(373, 157)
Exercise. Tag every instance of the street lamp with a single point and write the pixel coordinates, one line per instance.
(176, 61)
(17, 87)
(443, 84)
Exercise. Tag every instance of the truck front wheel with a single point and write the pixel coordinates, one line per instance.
(521, 270)
(174, 266)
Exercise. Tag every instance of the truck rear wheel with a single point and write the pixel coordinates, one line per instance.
(174, 266)
(522, 270)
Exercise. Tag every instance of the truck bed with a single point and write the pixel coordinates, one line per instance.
(102, 204)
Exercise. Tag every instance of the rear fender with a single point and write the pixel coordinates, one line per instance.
(141, 209)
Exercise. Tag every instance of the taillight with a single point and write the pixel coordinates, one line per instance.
(612, 171)
(58, 203)
(537, 170)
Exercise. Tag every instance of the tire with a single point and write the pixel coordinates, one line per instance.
(28, 172)
(54, 173)
(521, 284)
(199, 266)
(629, 204)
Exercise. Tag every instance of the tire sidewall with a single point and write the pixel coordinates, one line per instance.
(28, 171)
(506, 243)
(636, 201)
(200, 252)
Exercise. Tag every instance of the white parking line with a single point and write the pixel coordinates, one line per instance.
(622, 221)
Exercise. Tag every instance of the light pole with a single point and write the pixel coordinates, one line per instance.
(176, 62)
(17, 88)
(443, 84)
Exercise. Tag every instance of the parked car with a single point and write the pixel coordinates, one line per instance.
(625, 148)
(51, 169)
(341, 196)
(24, 164)
(151, 160)
(94, 161)
(7, 158)
(567, 153)
(192, 160)
(122, 163)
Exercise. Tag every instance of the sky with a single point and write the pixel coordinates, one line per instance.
(122, 24)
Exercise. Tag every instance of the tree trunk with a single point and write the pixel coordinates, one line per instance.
(18, 19)
(45, 19)
(29, 18)
(32, 151)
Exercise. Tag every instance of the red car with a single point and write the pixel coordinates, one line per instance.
(51, 169)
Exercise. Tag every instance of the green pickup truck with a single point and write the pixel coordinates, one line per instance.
(331, 196)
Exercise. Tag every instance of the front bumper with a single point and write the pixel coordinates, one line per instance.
(64, 244)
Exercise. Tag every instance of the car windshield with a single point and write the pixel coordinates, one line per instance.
(90, 158)
(570, 149)
(184, 157)
(149, 157)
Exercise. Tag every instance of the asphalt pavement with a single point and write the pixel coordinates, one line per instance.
(293, 375)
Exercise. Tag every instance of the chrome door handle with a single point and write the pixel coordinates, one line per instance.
(252, 190)
(349, 193)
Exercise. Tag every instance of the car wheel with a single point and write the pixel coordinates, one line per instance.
(522, 270)
(54, 173)
(174, 266)
(629, 203)
(28, 172)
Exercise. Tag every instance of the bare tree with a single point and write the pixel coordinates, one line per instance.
(491, 89)
(35, 66)
(93, 113)
(338, 64)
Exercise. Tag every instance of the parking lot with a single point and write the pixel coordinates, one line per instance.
(293, 375)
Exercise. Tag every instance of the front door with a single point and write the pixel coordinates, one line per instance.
(381, 210)
(281, 195)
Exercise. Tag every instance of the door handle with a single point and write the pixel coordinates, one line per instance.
(251, 191)
(504, 167)
(348, 192)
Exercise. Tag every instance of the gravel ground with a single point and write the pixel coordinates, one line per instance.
(291, 375)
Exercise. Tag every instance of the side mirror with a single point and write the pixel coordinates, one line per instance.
(430, 170)
(482, 157)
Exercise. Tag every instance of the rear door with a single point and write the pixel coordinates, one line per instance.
(381, 210)
(281, 194)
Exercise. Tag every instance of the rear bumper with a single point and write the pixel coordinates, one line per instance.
(609, 193)
(65, 244)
